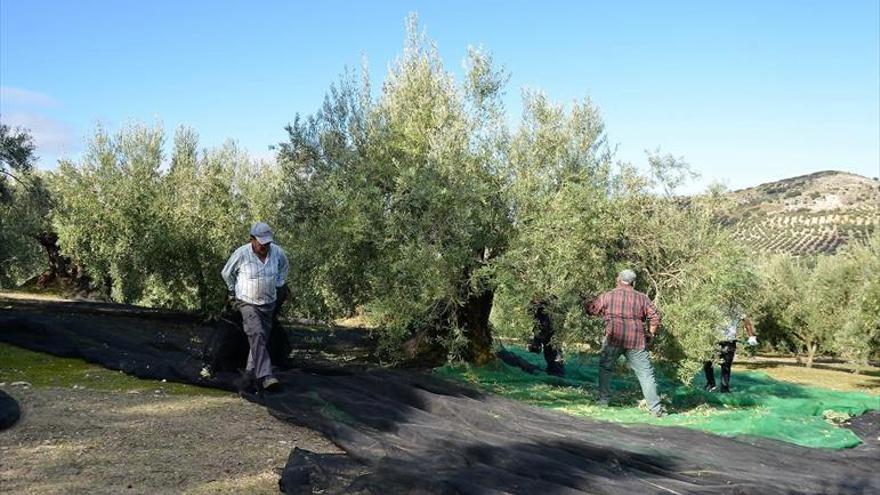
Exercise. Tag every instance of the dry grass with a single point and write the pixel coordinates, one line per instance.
(824, 373)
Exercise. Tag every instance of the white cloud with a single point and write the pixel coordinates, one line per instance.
(52, 137)
(18, 97)
(28, 110)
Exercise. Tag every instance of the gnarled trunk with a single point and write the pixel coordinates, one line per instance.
(425, 348)
(473, 319)
(61, 272)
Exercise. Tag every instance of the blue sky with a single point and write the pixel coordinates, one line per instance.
(746, 92)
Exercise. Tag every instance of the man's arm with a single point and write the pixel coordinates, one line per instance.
(230, 271)
(596, 306)
(652, 314)
(283, 268)
(749, 328)
(753, 339)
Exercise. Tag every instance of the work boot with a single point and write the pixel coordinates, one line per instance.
(556, 369)
(270, 383)
(534, 346)
(246, 383)
(710, 387)
(725, 390)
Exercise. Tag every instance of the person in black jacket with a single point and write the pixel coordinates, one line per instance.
(543, 338)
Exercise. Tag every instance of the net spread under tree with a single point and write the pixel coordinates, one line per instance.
(404, 431)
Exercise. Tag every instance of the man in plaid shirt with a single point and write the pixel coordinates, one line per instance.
(626, 311)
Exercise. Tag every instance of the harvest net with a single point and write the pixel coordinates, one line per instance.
(758, 405)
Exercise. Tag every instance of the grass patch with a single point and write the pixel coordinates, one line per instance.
(832, 375)
(47, 371)
(759, 405)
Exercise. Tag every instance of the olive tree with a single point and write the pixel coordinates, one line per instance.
(23, 200)
(155, 234)
(421, 210)
(565, 225)
(857, 335)
(396, 203)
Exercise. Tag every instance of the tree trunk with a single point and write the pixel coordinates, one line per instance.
(425, 348)
(811, 353)
(473, 319)
(62, 272)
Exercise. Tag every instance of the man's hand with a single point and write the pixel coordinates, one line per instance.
(282, 293)
(230, 299)
(753, 341)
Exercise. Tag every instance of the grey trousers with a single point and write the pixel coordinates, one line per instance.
(639, 362)
(257, 320)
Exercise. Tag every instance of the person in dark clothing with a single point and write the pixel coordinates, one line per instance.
(543, 338)
(727, 348)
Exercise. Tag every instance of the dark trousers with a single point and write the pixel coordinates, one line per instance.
(543, 339)
(726, 351)
(228, 348)
(552, 354)
(257, 323)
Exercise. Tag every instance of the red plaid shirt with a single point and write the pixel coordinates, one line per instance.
(625, 310)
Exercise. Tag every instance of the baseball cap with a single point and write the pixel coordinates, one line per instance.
(262, 232)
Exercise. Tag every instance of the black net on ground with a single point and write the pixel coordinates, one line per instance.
(226, 348)
(9, 411)
(412, 433)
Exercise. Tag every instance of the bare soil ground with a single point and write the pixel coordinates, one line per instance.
(85, 441)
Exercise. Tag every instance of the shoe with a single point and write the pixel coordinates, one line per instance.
(534, 348)
(660, 413)
(556, 369)
(602, 402)
(725, 390)
(246, 383)
(710, 388)
(270, 383)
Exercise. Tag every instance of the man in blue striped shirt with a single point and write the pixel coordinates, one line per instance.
(255, 275)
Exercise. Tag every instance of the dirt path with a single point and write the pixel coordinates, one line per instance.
(83, 441)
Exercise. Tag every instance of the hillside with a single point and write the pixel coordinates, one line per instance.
(806, 215)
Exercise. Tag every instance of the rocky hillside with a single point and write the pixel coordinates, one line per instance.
(806, 215)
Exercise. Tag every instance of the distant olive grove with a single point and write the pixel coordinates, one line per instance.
(421, 210)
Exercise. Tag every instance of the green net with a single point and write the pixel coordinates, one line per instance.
(758, 405)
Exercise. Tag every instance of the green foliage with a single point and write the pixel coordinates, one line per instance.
(689, 264)
(565, 224)
(154, 236)
(410, 206)
(829, 304)
(21, 217)
(578, 228)
(858, 335)
(395, 203)
(24, 203)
